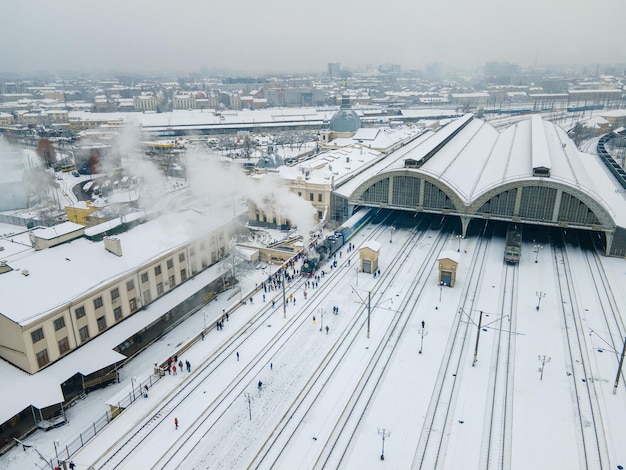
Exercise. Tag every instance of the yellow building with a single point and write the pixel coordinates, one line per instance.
(80, 211)
(57, 299)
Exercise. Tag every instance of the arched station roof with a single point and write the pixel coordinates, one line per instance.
(531, 172)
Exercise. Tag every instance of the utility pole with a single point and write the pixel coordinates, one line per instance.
(544, 360)
(383, 433)
(480, 320)
(369, 307)
(422, 332)
(540, 295)
(369, 310)
(619, 368)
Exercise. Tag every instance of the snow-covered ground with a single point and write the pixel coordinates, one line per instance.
(324, 387)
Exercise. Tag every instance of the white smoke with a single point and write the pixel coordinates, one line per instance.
(212, 180)
(214, 185)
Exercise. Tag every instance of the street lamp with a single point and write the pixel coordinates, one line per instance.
(422, 332)
(544, 360)
(249, 399)
(321, 312)
(441, 286)
(56, 452)
(284, 268)
(391, 230)
(384, 434)
(459, 237)
(132, 385)
(540, 295)
(537, 248)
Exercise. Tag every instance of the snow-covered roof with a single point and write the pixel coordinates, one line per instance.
(372, 245)
(450, 254)
(44, 388)
(477, 159)
(65, 272)
(49, 233)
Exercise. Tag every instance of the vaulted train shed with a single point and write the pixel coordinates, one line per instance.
(530, 173)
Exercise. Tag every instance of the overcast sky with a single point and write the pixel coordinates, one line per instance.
(303, 36)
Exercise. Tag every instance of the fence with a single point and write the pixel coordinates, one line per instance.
(66, 450)
(14, 220)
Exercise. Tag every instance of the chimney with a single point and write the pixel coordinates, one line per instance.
(114, 245)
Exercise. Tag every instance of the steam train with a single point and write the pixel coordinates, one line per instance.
(334, 242)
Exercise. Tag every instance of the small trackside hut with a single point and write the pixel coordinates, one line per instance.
(368, 255)
(448, 263)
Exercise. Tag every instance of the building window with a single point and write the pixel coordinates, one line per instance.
(319, 215)
(132, 303)
(311, 196)
(147, 298)
(170, 263)
(192, 251)
(319, 197)
(84, 333)
(157, 270)
(80, 312)
(183, 275)
(37, 335)
(144, 277)
(59, 323)
(97, 302)
(181, 257)
(42, 358)
(159, 288)
(130, 285)
(102, 323)
(115, 293)
(64, 345)
(117, 313)
(172, 282)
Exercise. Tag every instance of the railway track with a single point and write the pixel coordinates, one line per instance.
(359, 391)
(119, 454)
(496, 451)
(288, 424)
(432, 444)
(593, 449)
(609, 307)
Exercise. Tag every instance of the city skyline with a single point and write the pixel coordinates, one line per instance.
(279, 36)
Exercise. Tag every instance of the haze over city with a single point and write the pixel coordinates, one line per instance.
(286, 36)
(347, 234)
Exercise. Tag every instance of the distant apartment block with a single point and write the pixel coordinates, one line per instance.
(6, 119)
(146, 102)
